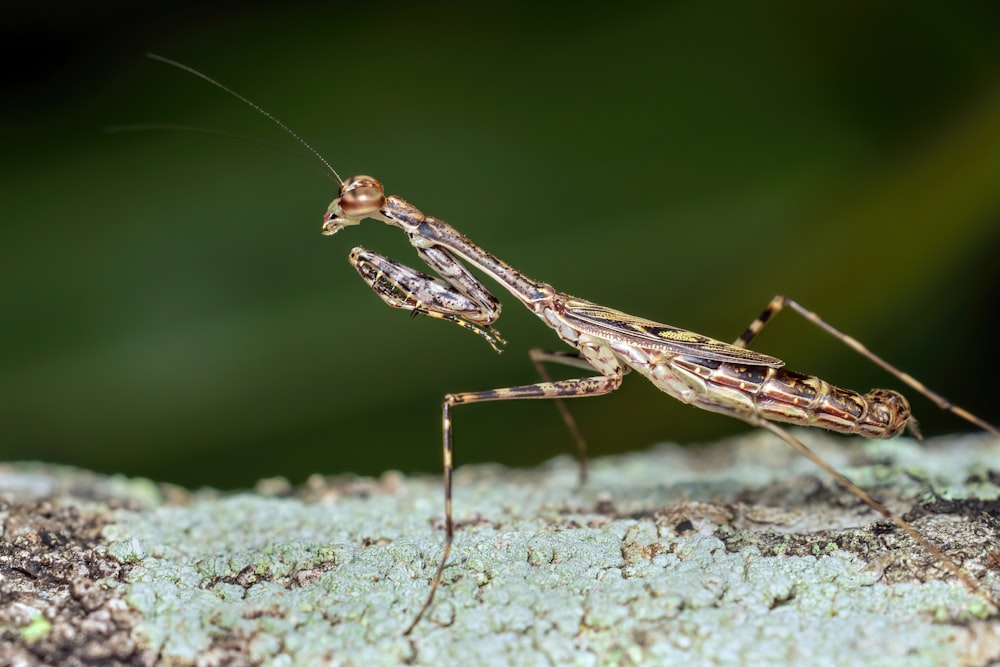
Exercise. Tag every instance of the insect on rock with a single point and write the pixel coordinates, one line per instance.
(727, 378)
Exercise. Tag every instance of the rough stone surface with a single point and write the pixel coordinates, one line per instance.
(738, 553)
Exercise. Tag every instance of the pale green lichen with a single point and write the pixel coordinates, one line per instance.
(36, 629)
(543, 574)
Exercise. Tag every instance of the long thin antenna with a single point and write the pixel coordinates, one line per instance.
(143, 127)
(252, 105)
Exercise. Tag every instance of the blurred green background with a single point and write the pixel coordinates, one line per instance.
(170, 308)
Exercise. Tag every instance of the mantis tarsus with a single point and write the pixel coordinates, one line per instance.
(721, 377)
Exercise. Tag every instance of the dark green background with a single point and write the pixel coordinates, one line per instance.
(170, 308)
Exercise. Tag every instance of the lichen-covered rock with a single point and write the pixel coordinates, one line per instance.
(735, 553)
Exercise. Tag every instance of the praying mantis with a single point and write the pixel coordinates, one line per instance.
(726, 378)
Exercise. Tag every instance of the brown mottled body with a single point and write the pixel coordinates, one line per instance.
(780, 395)
(710, 374)
(742, 389)
(695, 369)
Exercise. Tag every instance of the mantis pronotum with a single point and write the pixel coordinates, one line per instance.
(720, 377)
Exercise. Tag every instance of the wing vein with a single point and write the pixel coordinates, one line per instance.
(613, 324)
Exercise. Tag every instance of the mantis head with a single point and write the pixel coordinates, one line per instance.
(360, 197)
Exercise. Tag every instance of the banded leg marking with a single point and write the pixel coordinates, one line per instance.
(844, 481)
(576, 388)
(780, 301)
(402, 287)
(539, 358)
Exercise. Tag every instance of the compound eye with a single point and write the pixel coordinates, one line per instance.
(361, 196)
(361, 201)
